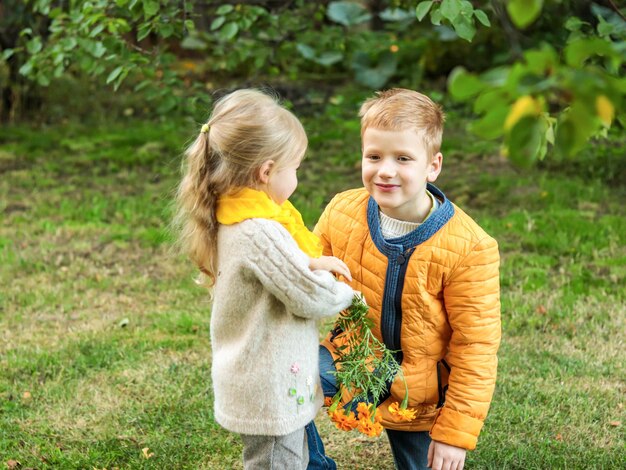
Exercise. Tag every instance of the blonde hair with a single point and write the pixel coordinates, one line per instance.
(246, 128)
(399, 109)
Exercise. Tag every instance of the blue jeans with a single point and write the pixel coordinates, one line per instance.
(410, 449)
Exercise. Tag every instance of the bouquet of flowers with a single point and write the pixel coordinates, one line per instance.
(365, 368)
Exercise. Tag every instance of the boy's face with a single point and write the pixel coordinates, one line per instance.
(396, 167)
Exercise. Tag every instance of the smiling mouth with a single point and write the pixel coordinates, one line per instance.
(386, 186)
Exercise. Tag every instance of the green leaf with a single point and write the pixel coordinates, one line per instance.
(166, 30)
(541, 61)
(435, 17)
(143, 31)
(374, 75)
(524, 12)
(422, 9)
(150, 8)
(7, 53)
(217, 22)
(193, 42)
(466, 8)
(490, 126)
(329, 58)
(577, 52)
(97, 30)
(167, 104)
(482, 17)
(114, 74)
(548, 137)
(605, 29)
(450, 9)
(347, 13)
(575, 127)
(43, 80)
(141, 85)
(496, 77)
(574, 24)
(34, 45)
(224, 9)
(489, 100)
(26, 69)
(565, 138)
(58, 71)
(306, 51)
(463, 85)
(98, 50)
(229, 31)
(464, 27)
(395, 15)
(68, 43)
(245, 23)
(525, 140)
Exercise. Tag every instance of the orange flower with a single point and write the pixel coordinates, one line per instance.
(369, 428)
(363, 410)
(342, 421)
(393, 408)
(328, 401)
(402, 414)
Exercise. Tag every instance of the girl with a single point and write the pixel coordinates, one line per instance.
(269, 283)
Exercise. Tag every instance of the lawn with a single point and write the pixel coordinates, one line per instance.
(104, 347)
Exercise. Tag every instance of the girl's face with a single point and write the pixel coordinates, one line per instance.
(283, 182)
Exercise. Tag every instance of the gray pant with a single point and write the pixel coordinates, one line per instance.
(276, 452)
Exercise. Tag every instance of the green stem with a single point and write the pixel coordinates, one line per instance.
(405, 400)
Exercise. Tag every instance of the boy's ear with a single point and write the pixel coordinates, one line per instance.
(265, 170)
(435, 168)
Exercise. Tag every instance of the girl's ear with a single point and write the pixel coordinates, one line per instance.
(435, 168)
(264, 171)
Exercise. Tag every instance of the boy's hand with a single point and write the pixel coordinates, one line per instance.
(332, 264)
(445, 457)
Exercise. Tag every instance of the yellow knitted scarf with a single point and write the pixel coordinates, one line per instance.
(249, 203)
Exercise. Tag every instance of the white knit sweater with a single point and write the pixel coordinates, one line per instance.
(264, 332)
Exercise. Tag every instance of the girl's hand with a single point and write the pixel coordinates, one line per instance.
(332, 264)
(445, 457)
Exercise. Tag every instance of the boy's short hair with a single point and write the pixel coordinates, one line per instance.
(399, 109)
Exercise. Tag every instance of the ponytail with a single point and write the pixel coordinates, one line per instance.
(246, 128)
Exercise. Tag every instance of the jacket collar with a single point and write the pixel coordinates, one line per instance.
(431, 225)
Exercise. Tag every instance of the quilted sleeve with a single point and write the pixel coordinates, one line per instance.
(472, 301)
(322, 229)
(283, 269)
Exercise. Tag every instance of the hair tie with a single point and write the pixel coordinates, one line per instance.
(204, 129)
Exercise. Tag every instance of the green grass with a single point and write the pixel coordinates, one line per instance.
(104, 346)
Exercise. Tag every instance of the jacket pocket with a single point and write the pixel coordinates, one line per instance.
(443, 372)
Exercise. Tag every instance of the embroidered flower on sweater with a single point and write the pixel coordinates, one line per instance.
(311, 387)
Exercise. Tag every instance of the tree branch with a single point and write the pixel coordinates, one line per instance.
(617, 10)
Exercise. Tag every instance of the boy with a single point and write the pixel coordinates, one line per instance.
(430, 276)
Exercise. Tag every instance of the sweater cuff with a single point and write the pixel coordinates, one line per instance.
(456, 429)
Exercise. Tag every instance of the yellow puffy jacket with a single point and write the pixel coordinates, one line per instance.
(434, 294)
